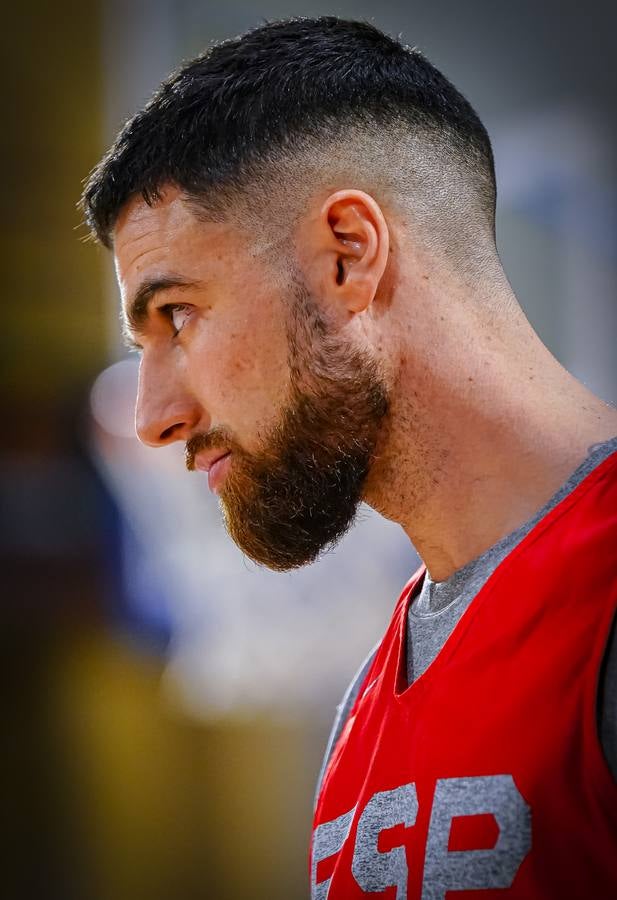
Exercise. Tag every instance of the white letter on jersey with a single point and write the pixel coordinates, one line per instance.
(328, 838)
(462, 870)
(372, 869)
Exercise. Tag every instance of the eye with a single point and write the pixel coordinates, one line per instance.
(178, 314)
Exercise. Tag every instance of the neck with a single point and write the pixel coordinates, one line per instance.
(479, 439)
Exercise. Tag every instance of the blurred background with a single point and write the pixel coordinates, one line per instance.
(166, 704)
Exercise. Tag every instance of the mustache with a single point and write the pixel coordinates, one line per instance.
(218, 438)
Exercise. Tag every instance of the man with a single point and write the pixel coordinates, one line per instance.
(303, 227)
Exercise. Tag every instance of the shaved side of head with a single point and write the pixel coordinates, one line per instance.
(257, 125)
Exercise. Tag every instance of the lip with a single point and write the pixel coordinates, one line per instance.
(218, 471)
(216, 464)
(205, 459)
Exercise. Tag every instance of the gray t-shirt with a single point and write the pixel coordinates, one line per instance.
(438, 607)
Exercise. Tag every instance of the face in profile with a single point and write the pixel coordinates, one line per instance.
(240, 360)
(299, 493)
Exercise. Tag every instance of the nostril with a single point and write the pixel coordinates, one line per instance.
(169, 432)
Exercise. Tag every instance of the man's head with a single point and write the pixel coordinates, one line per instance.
(262, 208)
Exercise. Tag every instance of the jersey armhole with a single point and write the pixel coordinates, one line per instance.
(343, 711)
(601, 778)
(605, 707)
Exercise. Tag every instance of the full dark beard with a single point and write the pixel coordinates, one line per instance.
(300, 493)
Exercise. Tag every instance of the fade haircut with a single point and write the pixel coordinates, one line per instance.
(297, 105)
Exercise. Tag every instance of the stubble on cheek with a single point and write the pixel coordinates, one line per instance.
(252, 387)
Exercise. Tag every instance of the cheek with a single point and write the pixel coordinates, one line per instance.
(242, 376)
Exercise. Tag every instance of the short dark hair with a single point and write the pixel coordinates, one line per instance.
(215, 125)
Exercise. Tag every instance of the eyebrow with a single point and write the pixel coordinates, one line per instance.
(137, 308)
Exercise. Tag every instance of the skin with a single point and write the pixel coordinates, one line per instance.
(484, 424)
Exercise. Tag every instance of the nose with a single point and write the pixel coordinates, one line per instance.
(164, 411)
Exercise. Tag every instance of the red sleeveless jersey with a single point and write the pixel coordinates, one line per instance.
(485, 778)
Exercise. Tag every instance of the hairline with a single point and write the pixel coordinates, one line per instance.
(328, 163)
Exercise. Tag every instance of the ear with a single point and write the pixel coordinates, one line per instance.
(353, 248)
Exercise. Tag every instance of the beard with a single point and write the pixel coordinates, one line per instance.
(299, 493)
